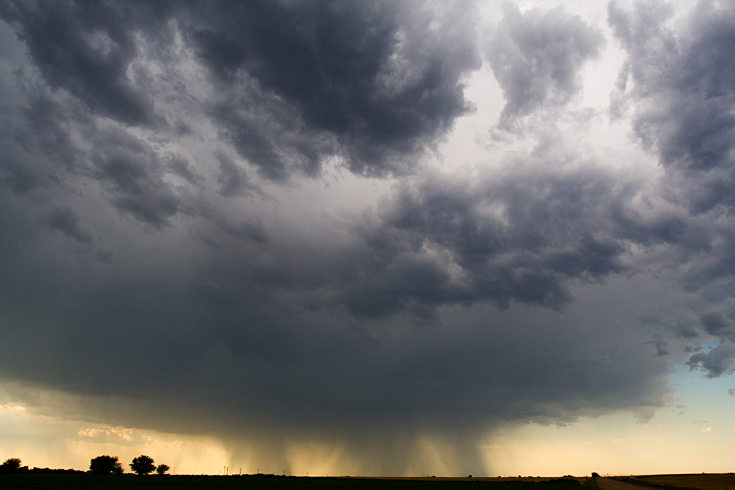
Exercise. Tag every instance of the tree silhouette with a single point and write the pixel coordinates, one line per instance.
(11, 465)
(143, 465)
(162, 469)
(105, 465)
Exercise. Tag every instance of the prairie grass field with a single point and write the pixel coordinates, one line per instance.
(193, 482)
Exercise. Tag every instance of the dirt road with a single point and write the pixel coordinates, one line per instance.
(610, 484)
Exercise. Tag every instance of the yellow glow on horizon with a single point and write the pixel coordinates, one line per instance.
(612, 444)
(56, 442)
(693, 433)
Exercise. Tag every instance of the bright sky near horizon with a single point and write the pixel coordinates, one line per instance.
(369, 238)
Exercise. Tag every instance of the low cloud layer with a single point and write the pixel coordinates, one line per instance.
(231, 219)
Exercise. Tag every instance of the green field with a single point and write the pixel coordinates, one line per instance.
(186, 482)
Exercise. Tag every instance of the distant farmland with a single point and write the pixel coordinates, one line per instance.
(264, 482)
(694, 481)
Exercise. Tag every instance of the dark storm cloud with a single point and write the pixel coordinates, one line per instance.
(717, 362)
(216, 349)
(66, 221)
(134, 174)
(680, 87)
(233, 179)
(371, 83)
(87, 48)
(232, 312)
(683, 91)
(684, 329)
(674, 228)
(53, 143)
(38, 144)
(660, 344)
(48, 126)
(381, 79)
(378, 77)
(717, 325)
(537, 57)
(182, 167)
(269, 135)
(521, 237)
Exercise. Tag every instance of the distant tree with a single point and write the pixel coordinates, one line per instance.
(105, 465)
(595, 474)
(11, 465)
(162, 469)
(143, 465)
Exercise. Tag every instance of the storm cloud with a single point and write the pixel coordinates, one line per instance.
(682, 91)
(718, 361)
(537, 57)
(230, 219)
(373, 83)
(513, 237)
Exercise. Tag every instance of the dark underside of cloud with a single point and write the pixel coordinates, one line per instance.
(144, 258)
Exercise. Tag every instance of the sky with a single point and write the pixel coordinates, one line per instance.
(368, 238)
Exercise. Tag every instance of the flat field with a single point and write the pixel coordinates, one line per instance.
(695, 481)
(190, 482)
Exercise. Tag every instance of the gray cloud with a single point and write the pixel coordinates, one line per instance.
(374, 77)
(677, 85)
(237, 359)
(508, 238)
(683, 95)
(233, 179)
(684, 329)
(38, 143)
(134, 176)
(270, 135)
(537, 57)
(182, 167)
(660, 344)
(717, 325)
(717, 362)
(371, 84)
(66, 221)
(88, 50)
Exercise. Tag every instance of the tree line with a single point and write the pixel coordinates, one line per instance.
(101, 465)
